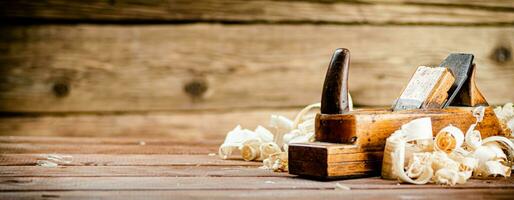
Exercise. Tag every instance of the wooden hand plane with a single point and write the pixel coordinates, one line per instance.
(351, 143)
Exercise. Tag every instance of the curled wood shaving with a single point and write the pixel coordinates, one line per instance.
(454, 158)
(449, 139)
(506, 116)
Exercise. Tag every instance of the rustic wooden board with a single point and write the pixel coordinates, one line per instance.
(124, 160)
(122, 175)
(138, 171)
(204, 66)
(103, 140)
(239, 11)
(107, 149)
(421, 194)
(217, 183)
(197, 127)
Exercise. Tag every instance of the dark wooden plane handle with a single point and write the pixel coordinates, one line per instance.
(334, 99)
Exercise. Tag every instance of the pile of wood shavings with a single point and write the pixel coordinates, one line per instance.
(412, 155)
(271, 148)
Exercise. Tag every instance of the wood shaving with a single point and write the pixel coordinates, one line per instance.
(60, 158)
(453, 159)
(46, 163)
(271, 148)
(506, 116)
(340, 186)
(53, 160)
(449, 139)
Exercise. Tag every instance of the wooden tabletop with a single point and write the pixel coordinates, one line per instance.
(160, 168)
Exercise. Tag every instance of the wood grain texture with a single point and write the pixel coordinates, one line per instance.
(361, 12)
(422, 194)
(325, 161)
(102, 149)
(156, 176)
(102, 140)
(170, 127)
(126, 159)
(217, 183)
(192, 67)
(137, 171)
(369, 128)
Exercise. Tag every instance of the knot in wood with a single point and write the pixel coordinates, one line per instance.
(502, 54)
(196, 88)
(61, 89)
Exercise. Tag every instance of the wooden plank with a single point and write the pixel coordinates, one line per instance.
(103, 140)
(219, 183)
(125, 160)
(184, 128)
(107, 149)
(202, 66)
(362, 12)
(138, 171)
(421, 194)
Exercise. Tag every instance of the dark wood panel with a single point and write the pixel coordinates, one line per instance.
(90, 68)
(351, 12)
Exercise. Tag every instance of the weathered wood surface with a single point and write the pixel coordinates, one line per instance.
(421, 194)
(137, 171)
(211, 67)
(209, 127)
(239, 11)
(160, 175)
(125, 160)
(219, 183)
(103, 149)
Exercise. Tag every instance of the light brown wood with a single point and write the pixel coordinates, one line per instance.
(294, 194)
(211, 183)
(180, 127)
(59, 68)
(439, 95)
(103, 140)
(239, 11)
(137, 171)
(156, 176)
(111, 149)
(368, 128)
(125, 160)
(470, 95)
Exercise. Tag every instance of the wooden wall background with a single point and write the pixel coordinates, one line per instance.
(195, 69)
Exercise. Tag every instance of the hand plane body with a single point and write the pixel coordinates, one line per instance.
(351, 143)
